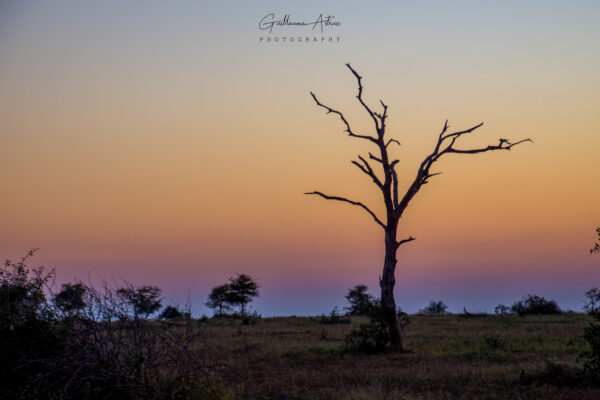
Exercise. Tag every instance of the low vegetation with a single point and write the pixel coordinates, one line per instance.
(98, 343)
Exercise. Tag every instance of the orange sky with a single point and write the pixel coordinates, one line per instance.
(170, 146)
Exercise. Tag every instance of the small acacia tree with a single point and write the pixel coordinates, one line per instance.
(218, 299)
(145, 300)
(242, 289)
(70, 299)
(360, 301)
(387, 183)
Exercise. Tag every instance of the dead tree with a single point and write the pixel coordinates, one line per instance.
(388, 185)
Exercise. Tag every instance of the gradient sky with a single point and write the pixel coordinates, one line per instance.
(164, 143)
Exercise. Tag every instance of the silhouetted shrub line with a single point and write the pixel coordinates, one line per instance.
(88, 343)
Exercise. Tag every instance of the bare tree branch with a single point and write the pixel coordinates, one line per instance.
(503, 144)
(423, 173)
(384, 115)
(348, 129)
(400, 243)
(372, 157)
(392, 141)
(354, 203)
(360, 99)
(366, 168)
(459, 133)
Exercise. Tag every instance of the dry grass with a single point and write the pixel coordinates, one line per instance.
(448, 357)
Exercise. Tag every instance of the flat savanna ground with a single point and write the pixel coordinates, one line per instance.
(448, 357)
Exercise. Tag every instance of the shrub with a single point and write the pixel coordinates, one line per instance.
(102, 352)
(360, 301)
(251, 319)
(501, 309)
(170, 312)
(434, 307)
(373, 337)
(535, 305)
(27, 326)
(591, 357)
(517, 307)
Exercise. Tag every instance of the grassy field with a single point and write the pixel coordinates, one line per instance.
(448, 357)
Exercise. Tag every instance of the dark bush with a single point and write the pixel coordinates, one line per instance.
(517, 307)
(171, 312)
(434, 307)
(360, 301)
(591, 357)
(373, 337)
(251, 319)
(61, 350)
(535, 305)
(501, 309)
(592, 302)
(27, 327)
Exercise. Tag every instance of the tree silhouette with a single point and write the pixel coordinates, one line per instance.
(241, 291)
(360, 301)
(145, 300)
(218, 299)
(170, 312)
(592, 302)
(395, 204)
(70, 298)
(596, 248)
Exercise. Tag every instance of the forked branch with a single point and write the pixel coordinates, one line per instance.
(344, 120)
(365, 106)
(366, 168)
(445, 145)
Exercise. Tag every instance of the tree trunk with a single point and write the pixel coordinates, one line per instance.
(387, 283)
